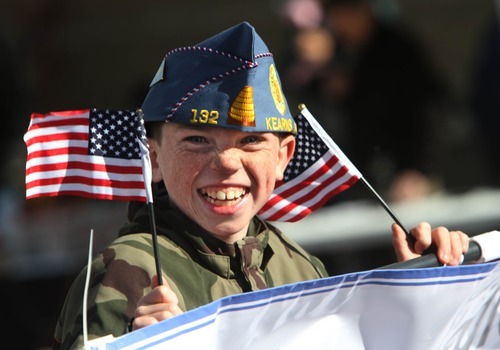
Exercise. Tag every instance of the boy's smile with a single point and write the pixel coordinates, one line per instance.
(223, 196)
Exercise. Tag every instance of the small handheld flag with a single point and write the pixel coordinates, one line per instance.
(101, 154)
(90, 153)
(318, 171)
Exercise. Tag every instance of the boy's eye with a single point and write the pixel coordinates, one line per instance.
(196, 139)
(251, 140)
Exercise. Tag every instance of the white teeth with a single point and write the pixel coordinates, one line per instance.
(221, 195)
(229, 195)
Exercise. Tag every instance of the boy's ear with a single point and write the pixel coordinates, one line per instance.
(153, 155)
(287, 148)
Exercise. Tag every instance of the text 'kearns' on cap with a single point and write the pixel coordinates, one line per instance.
(229, 80)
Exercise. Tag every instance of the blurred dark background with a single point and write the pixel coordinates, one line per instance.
(59, 55)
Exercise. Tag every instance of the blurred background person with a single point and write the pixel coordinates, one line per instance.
(376, 93)
(308, 57)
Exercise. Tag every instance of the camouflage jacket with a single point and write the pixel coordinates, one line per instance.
(198, 267)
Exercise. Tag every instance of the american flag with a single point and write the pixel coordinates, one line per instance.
(90, 153)
(318, 171)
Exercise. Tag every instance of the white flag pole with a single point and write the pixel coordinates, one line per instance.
(86, 291)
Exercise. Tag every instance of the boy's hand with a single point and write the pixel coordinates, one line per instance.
(450, 244)
(159, 304)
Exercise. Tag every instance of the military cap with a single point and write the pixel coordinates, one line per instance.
(229, 80)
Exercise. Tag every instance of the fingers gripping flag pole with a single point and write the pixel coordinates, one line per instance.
(318, 171)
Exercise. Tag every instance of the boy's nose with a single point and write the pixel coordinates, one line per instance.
(227, 161)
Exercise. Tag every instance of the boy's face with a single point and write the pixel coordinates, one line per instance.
(219, 177)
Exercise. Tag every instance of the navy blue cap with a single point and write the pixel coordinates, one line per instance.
(229, 80)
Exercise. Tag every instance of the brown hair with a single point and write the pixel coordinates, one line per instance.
(153, 130)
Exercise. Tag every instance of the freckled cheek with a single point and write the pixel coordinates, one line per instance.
(264, 171)
(182, 176)
(182, 173)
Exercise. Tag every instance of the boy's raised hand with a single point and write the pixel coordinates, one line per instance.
(450, 245)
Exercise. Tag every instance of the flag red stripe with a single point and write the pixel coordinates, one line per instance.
(85, 166)
(86, 181)
(88, 195)
(66, 136)
(57, 152)
(42, 124)
(67, 113)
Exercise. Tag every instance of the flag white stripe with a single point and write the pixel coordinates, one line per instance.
(51, 145)
(100, 160)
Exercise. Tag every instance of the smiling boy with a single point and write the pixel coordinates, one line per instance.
(220, 136)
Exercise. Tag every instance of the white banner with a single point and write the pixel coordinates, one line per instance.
(414, 309)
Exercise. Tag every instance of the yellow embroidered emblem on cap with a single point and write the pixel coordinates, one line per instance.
(279, 99)
(242, 110)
